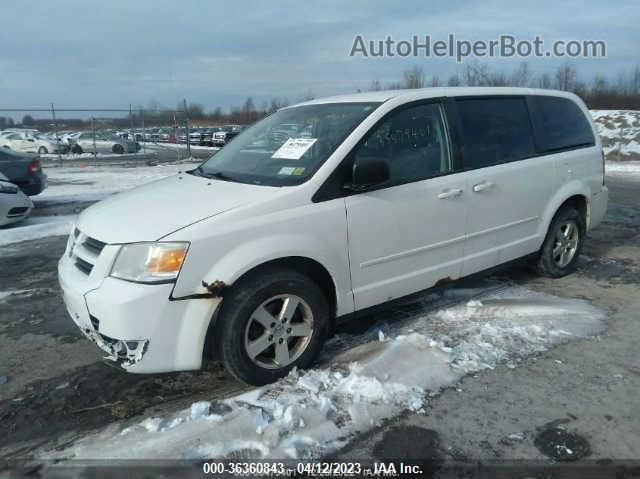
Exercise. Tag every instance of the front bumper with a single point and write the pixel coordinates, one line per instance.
(137, 325)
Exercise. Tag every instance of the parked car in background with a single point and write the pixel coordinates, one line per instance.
(152, 135)
(24, 170)
(7, 131)
(181, 135)
(195, 135)
(14, 204)
(164, 135)
(226, 134)
(30, 142)
(206, 136)
(70, 138)
(103, 143)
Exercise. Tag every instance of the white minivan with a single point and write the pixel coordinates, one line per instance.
(251, 257)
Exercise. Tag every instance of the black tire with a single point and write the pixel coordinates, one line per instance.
(118, 149)
(42, 150)
(237, 308)
(546, 264)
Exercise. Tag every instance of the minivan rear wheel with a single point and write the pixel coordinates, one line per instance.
(563, 244)
(269, 323)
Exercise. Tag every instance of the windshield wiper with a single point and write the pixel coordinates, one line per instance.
(218, 175)
(196, 171)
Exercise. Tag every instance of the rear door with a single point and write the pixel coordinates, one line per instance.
(508, 186)
(409, 234)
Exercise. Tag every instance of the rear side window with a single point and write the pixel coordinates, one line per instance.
(494, 131)
(560, 124)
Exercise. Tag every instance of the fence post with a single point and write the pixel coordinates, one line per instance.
(132, 132)
(144, 133)
(186, 121)
(55, 128)
(93, 134)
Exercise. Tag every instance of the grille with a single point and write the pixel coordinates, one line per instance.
(85, 251)
(84, 266)
(95, 322)
(17, 211)
(94, 245)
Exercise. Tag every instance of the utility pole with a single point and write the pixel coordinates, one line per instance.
(186, 121)
(55, 127)
(93, 134)
(144, 133)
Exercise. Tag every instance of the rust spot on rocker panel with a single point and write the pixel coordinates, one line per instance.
(443, 281)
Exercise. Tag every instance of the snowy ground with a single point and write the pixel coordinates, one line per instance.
(313, 413)
(36, 227)
(620, 132)
(95, 182)
(624, 168)
(81, 185)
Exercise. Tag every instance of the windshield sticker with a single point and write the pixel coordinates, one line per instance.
(298, 171)
(287, 170)
(294, 148)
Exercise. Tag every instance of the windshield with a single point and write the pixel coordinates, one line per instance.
(288, 147)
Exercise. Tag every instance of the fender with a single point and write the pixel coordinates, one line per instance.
(572, 188)
(248, 255)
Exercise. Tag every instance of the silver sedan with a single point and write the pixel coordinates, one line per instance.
(85, 143)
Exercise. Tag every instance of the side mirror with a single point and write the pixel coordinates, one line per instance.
(368, 173)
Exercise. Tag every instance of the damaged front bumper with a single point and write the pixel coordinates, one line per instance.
(137, 325)
(123, 352)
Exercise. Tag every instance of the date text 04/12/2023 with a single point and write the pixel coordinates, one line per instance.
(314, 468)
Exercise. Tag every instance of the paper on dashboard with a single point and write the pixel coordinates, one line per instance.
(294, 148)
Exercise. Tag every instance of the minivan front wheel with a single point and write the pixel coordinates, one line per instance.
(559, 253)
(270, 323)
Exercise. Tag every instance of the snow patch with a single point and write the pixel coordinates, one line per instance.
(37, 227)
(95, 182)
(312, 413)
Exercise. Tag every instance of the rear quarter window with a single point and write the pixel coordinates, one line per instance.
(560, 124)
(494, 130)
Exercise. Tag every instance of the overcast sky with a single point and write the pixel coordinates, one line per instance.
(80, 53)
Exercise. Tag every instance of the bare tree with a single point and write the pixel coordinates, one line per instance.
(544, 81)
(435, 81)
(308, 95)
(454, 80)
(476, 74)
(566, 78)
(248, 111)
(413, 78)
(521, 75)
(375, 85)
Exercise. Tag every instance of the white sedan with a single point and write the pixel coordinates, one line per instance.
(14, 204)
(31, 143)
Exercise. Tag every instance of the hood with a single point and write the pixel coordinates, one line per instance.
(149, 212)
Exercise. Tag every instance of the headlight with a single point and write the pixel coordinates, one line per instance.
(149, 262)
(8, 188)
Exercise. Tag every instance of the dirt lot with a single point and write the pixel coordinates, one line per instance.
(57, 388)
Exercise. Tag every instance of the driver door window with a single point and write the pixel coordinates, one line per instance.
(413, 141)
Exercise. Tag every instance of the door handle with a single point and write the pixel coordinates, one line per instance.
(485, 185)
(450, 194)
